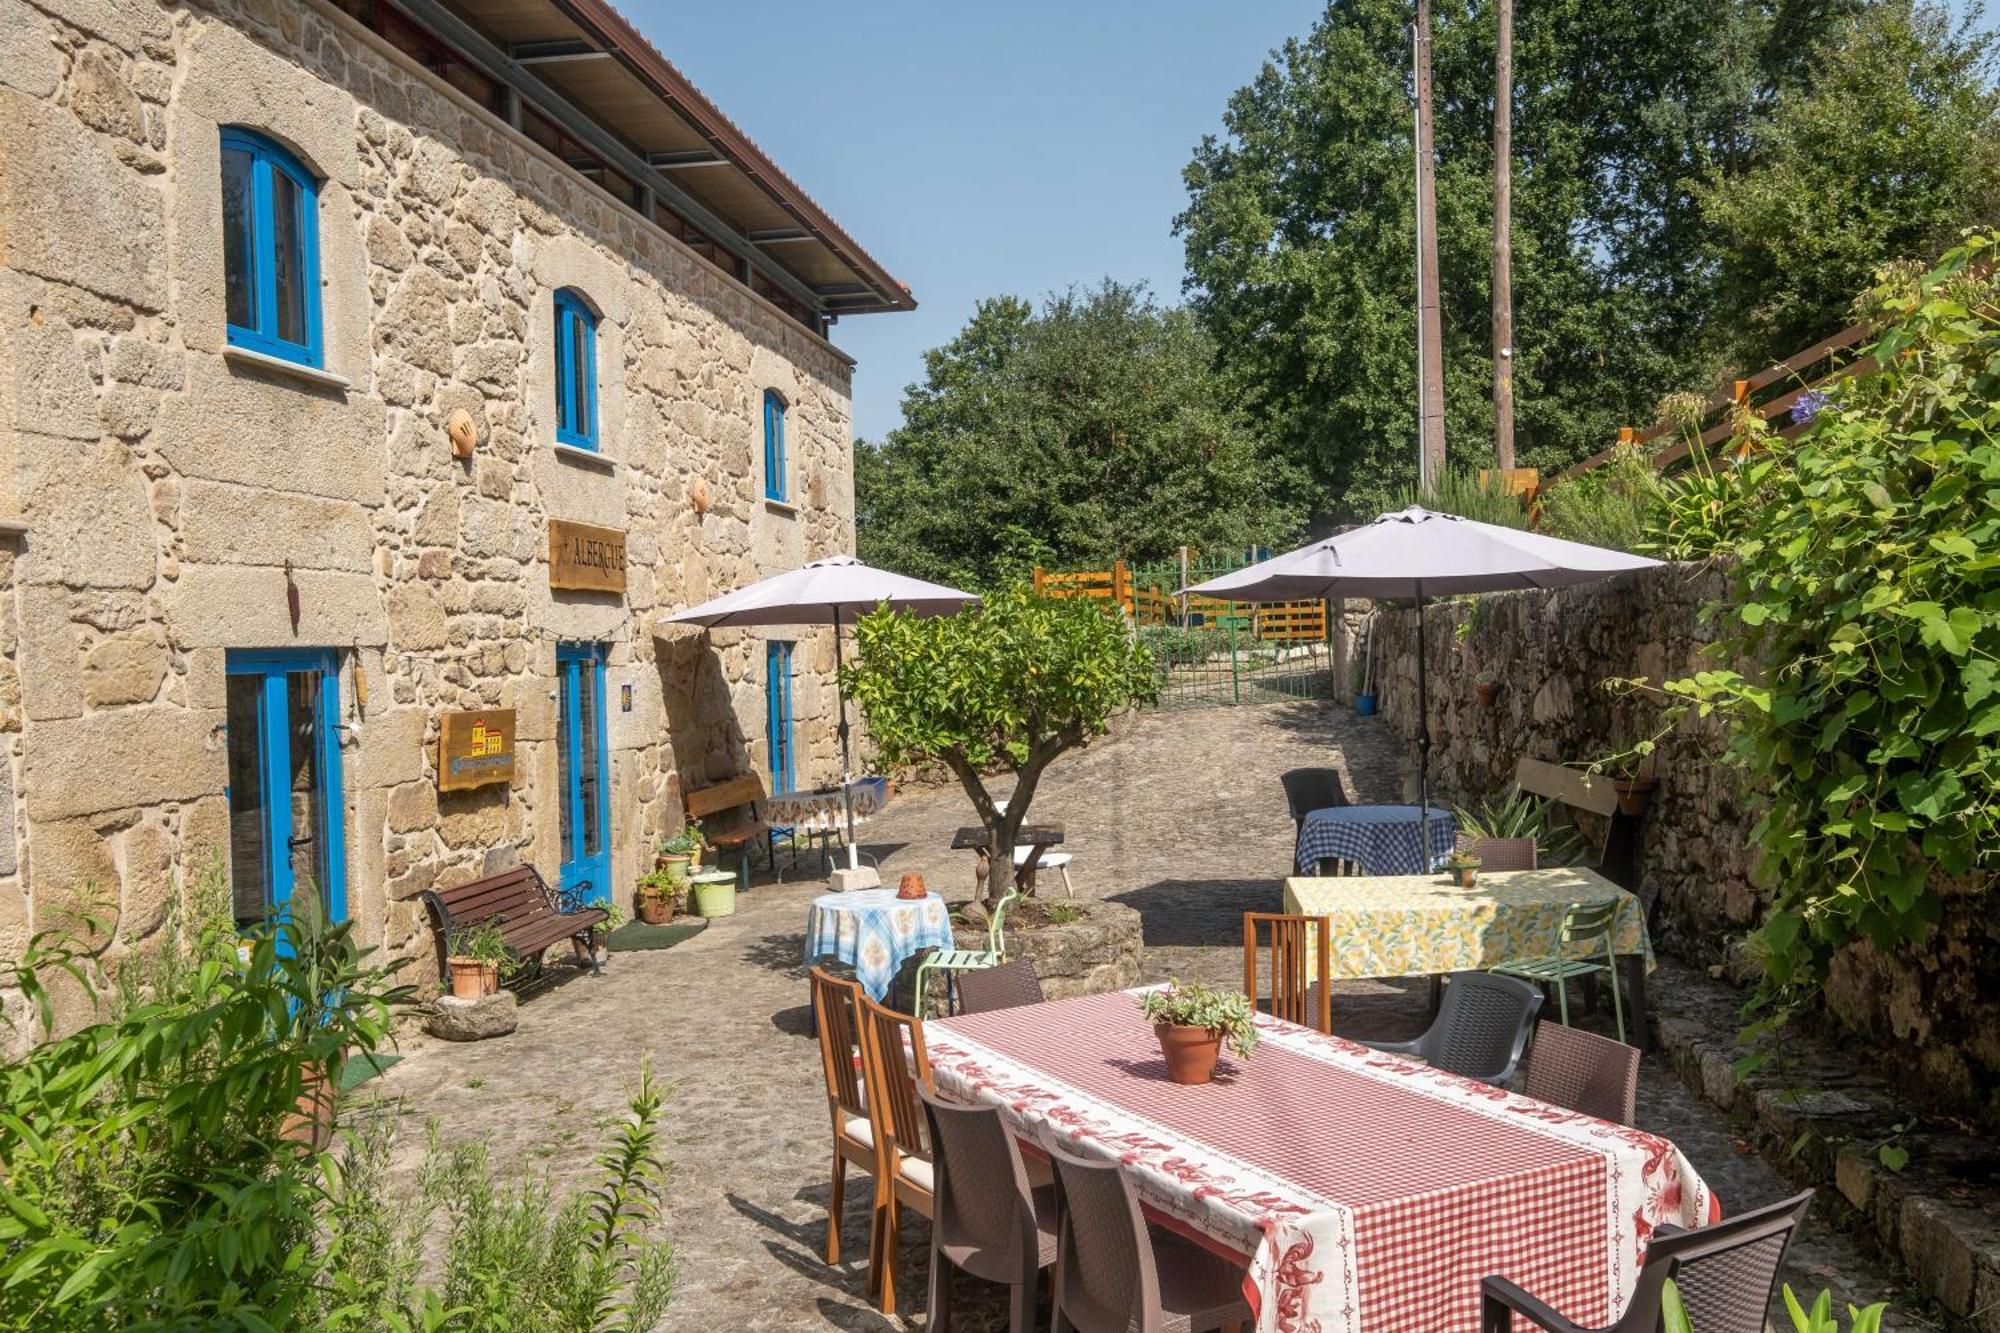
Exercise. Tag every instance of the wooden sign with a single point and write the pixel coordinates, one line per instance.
(475, 749)
(588, 558)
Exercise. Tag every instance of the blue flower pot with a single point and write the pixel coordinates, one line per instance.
(1364, 705)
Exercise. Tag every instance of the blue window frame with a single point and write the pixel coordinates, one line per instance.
(576, 371)
(778, 712)
(582, 764)
(774, 445)
(286, 830)
(270, 248)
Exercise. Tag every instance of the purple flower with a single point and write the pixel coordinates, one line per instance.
(1807, 407)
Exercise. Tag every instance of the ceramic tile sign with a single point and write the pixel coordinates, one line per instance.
(475, 749)
(586, 558)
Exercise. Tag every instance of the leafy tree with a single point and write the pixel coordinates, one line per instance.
(1008, 685)
(1091, 430)
(1299, 226)
(1892, 147)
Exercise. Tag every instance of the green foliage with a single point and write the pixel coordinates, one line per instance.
(668, 884)
(1226, 1013)
(1817, 1320)
(1091, 430)
(1613, 506)
(1520, 814)
(1459, 491)
(484, 942)
(1868, 590)
(688, 840)
(1890, 148)
(1300, 221)
(1009, 684)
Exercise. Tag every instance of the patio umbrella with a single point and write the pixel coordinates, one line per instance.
(833, 591)
(1417, 553)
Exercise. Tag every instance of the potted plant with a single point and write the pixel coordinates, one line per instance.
(1192, 1022)
(476, 955)
(1464, 869)
(661, 893)
(1487, 686)
(682, 850)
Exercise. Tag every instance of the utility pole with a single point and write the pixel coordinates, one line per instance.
(1503, 238)
(1430, 324)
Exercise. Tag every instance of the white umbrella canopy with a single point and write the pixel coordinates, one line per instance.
(832, 591)
(1418, 553)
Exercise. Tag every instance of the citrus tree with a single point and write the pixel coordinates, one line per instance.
(998, 690)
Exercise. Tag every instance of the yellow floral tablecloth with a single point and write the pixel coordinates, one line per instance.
(1420, 925)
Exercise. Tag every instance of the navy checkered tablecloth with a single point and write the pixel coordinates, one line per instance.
(1381, 839)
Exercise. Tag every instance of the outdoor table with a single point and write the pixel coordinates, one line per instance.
(820, 815)
(1039, 837)
(874, 932)
(1360, 1189)
(1381, 839)
(1424, 925)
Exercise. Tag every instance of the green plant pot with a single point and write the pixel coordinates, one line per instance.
(718, 899)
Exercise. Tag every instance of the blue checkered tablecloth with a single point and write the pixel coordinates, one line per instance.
(1381, 839)
(874, 931)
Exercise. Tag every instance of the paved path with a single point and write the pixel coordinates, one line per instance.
(1181, 818)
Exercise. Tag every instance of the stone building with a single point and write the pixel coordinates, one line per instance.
(365, 365)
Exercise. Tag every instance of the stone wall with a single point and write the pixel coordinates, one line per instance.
(1932, 1012)
(178, 498)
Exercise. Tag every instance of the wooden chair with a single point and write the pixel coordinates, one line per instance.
(837, 1014)
(1584, 1072)
(895, 1064)
(1295, 997)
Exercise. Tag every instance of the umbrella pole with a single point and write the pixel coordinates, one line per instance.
(846, 777)
(1423, 742)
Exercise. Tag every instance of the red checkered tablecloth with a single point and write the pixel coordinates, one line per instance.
(1364, 1191)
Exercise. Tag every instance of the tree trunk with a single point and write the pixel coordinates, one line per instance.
(1503, 241)
(1430, 370)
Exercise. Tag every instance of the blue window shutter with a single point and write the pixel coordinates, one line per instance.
(774, 445)
(251, 236)
(576, 371)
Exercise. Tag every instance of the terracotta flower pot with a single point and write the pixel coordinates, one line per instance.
(472, 979)
(1465, 877)
(656, 911)
(1488, 691)
(311, 1122)
(1634, 794)
(1190, 1053)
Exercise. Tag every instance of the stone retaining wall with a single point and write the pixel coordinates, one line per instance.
(1933, 1013)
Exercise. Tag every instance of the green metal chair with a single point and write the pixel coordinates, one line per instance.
(1582, 924)
(969, 960)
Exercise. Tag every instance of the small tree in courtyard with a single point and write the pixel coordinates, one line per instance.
(1006, 685)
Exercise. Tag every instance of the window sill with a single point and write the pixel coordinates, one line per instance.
(570, 453)
(785, 507)
(277, 365)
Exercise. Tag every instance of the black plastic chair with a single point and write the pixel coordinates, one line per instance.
(1481, 1028)
(986, 1219)
(1726, 1275)
(1307, 790)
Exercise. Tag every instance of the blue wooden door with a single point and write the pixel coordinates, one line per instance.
(287, 845)
(581, 765)
(778, 713)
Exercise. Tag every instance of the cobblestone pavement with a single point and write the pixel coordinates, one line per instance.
(1180, 817)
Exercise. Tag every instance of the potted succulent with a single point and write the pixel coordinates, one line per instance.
(660, 894)
(474, 962)
(1463, 868)
(683, 849)
(1487, 686)
(1192, 1022)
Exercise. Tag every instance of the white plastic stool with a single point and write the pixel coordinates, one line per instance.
(1056, 861)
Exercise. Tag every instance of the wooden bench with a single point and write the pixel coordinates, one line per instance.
(738, 793)
(529, 916)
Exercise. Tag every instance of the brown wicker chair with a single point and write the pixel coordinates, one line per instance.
(895, 1064)
(1583, 1071)
(1113, 1274)
(1295, 997)
(1726, 1275)
(1501, 853)
(987, 1218)
(837, 1014)
(1007, 985)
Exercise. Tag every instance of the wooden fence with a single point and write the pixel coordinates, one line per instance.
(1149, 603)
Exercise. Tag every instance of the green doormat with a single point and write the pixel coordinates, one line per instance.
(364, 1067)
(634, 936)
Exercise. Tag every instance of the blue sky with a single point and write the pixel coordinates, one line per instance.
(978, 149)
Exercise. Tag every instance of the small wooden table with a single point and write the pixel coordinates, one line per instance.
(1040, 837)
